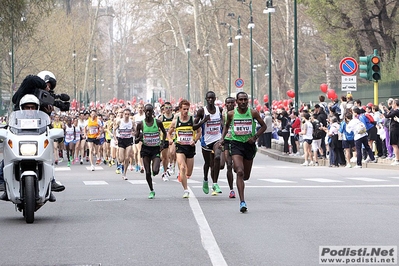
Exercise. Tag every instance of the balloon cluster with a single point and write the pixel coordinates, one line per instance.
(331, 94)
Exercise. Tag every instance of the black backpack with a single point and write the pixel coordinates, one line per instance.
(317, 131)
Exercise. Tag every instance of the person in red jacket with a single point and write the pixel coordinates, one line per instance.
(295, 129)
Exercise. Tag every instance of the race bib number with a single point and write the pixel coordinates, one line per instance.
(213, 127)
(93, 130)
(243, 127)
(185, 137)
(151, 139)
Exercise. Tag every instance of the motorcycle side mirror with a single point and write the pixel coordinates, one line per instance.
(55, 133)
(3, 133)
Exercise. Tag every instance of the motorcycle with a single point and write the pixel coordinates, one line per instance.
(28, 165)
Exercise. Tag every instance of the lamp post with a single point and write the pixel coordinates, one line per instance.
(95, 76)
(269, 10)
(239, 37)
(74, 74)
(230, 44)
(296, 56)
(251, 25)
(207, 67)
(188, 70)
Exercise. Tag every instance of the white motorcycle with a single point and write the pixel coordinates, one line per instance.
(28, 165)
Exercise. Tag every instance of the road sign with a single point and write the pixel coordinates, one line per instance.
(239, 83)
(349, 83)
(348, 66)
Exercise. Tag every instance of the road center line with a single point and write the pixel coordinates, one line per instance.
(207, 238)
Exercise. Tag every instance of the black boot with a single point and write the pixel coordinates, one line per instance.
(57, 187)
(52, 197)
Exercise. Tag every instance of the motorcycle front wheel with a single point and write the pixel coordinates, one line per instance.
(29, 199)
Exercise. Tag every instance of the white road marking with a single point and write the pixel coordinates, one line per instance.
(62, 169)
(276, 180)
(367, 179)
(139, 182)
(189, 181)
(95, 183)
(207, 238)
(323, 180)
(95, 167)
(317, 186)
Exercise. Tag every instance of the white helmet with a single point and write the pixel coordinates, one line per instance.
(48, 77)
(29, 98)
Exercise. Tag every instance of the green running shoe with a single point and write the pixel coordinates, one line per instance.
(152, 195)
(205, 187)
(69, 164)
(216, 188)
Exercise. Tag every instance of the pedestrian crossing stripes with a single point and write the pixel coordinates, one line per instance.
(189, 181)
(139, 182)
(95, 183)
(278, 180)
(61, 169)
(323, 180)
(367, 179)
(95, 167)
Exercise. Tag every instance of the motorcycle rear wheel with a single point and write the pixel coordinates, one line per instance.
(29, 199)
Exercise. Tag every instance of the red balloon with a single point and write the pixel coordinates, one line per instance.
(331, 94)
(258, 107)
(291, 93)
(265, 98)
(256, 102)
(324, 87)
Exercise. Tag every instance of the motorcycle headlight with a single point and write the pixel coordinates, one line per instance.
(28, 148)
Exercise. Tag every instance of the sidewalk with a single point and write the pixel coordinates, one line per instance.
(276, 152)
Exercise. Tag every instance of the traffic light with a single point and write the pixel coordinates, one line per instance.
(375, 68)
(366, 67)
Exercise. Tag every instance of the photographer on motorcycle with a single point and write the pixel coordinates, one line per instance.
(25, 97)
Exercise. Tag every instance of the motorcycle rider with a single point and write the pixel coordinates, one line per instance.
(45, 80)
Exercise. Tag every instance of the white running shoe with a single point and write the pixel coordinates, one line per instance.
(311, 163)
(358, 166)
(395, 162)
(353, 160)
(348, 165)
(186, 194)
(93, 168)
(305, 164)
(165, 177)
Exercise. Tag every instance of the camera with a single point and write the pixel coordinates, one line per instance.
(49, 98)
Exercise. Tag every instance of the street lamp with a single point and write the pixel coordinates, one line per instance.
(95, 76)
(239, 37)
(207, 67)
(269, 10)
(296, 56)
(251, 25)
(188, 70)
(230, 44)
(74, 74)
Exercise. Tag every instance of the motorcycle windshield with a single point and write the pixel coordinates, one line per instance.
(28, 122)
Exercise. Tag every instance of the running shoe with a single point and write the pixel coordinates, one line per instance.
(81, 161)
(87, 158)
(186, 194)
(130, 167)
(93, 168)
(395, 162)
(152, 195)
(358, 166)
(142, 170)
(124, 177)
(216, 188)
(60, 160)
(305, 163)
(56, 162)
(118, 169)
(105, 162)
(137, 168)
(122, 168)
(77, 160)
(214, 193)
(165, 177)
(205, 187)
(232, 194)
(98, 161)
(69, 164)
(178, 177)
(348, 165)
(243, 206)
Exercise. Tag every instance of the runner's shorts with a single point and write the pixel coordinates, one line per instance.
(246, 150)
(151, 152)
(187, 150)
(125, 142)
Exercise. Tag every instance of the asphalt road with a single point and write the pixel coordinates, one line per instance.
(101, 219)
